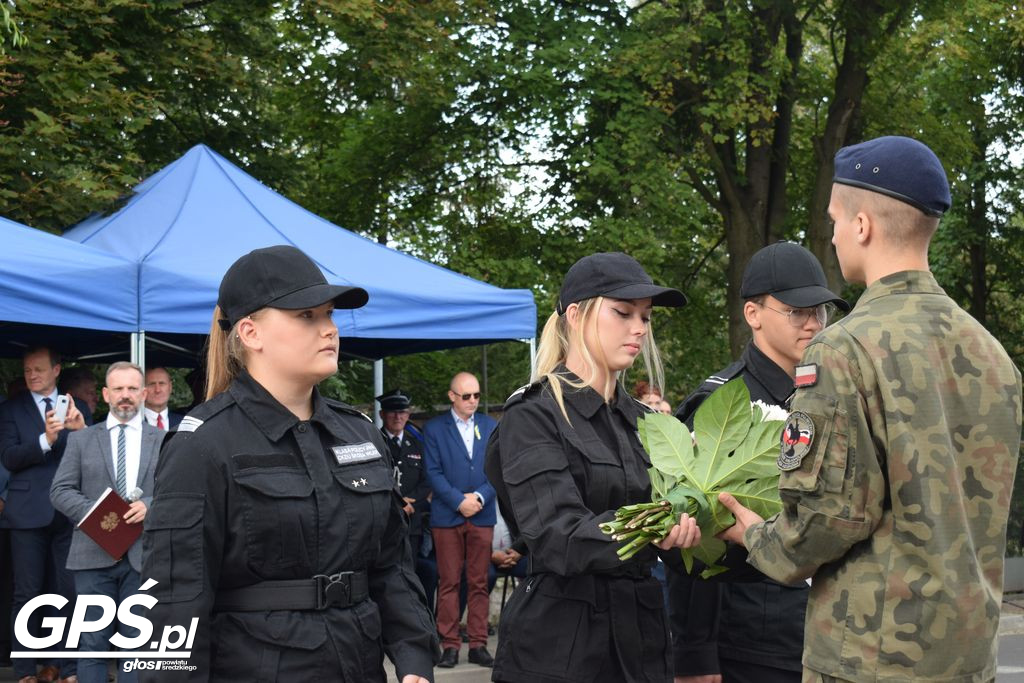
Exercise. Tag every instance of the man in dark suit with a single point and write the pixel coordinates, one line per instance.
(31, 447)
(158, 393)
(462, 516)
(120, 454)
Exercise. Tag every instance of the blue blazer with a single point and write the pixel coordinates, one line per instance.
(452, 474)
(31, 471)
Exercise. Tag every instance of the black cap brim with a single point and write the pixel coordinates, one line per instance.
(812, 295)
(659, 296)
(317, 295)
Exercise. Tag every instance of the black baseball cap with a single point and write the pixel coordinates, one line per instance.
(898, 167)
(394, 400)
(614, 275)
(279, 277)
(791, 274)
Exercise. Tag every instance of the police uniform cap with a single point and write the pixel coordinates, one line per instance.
(279, 277)
(898, 167)
(394, 400)
(791, 274)
(614, 275)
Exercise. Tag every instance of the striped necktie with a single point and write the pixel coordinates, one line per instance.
(122, 449)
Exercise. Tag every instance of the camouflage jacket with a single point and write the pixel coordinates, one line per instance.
(898, 505)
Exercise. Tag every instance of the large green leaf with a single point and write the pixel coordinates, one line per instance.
(734, 451)
(669, 444)
(719, 426)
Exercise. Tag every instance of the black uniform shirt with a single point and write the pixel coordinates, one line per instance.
(582, 614)
(247, 492)
(746, 617)
(411, 475)
(559, 482)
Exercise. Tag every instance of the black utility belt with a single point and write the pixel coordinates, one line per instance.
(343, 589)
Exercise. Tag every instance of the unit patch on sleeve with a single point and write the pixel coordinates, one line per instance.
(797, 436)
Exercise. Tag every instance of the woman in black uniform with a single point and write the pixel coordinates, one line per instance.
(276, 520)
(565, 456)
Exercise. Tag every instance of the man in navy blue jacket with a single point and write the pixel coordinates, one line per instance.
(462, 516)
(32, 443)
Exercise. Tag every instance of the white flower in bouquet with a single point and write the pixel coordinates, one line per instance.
(770, 411)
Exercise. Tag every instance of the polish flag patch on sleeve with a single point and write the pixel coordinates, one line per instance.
(806, 375)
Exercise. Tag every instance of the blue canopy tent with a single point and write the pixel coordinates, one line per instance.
(70, 296)
(187, 223)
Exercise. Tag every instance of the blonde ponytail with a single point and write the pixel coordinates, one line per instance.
(225, 355)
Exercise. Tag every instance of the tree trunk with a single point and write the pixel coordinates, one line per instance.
(866, 29)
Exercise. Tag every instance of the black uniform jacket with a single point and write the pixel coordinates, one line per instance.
(411, 475)
(246, 492)
(741, 614)
(581, 614)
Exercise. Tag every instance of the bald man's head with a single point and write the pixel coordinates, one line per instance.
(464, 393)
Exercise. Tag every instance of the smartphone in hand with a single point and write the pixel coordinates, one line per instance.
(60, 410)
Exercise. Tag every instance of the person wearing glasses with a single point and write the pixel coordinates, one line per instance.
(462, 517)
(747, 627)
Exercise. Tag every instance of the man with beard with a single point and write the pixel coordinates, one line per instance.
(120, 454)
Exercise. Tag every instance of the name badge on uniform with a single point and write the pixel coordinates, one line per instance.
(806, 375)
(359, 452)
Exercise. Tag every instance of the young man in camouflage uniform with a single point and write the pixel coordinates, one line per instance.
(899, 456)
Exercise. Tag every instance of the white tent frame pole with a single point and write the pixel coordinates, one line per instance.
(138, 348)
(378, 389)
(533, 357)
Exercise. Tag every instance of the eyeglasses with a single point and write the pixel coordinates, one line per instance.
(798, 317)
(466, 397)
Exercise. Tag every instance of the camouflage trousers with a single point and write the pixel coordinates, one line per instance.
(815, 677)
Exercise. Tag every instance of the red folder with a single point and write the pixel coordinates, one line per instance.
(104, 523)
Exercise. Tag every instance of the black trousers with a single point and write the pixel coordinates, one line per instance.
(735, 671)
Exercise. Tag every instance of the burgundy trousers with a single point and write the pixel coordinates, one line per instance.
(469, 546)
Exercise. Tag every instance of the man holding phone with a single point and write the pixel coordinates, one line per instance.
(33, 434)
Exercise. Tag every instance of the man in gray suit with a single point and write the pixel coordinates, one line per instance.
(121, 454)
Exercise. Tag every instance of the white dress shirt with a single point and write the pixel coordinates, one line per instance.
(41, 407)
(151, 417)
(465, 431)
(133, 448)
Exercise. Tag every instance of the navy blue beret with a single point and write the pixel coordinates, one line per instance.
(899, 167)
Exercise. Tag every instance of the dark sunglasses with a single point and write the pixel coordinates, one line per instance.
(466, 397)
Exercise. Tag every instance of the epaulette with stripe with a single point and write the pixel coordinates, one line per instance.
(521, 393)
(346, 408)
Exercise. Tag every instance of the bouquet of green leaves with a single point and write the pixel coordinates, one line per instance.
(734, 447)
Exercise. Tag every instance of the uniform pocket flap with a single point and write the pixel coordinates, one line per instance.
(275, 482)
(522, 466)
(362, 479)
(175, 511)
(19, 485)
(579, 588)
(282, 628)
